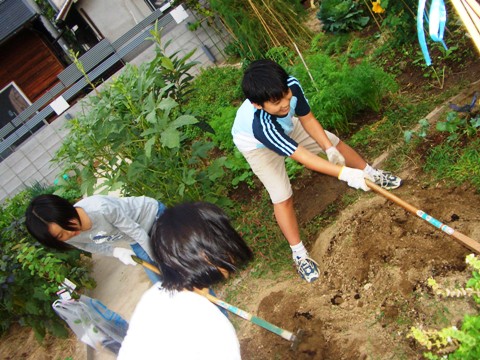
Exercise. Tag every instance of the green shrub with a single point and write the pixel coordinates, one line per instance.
(457, 158)
(214, 88)
(30, 274)
(342, 90)
(455, 164)
(339, 16)
(135, 135)
(398, 19)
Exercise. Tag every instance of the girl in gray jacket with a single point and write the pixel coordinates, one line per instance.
(97, 224)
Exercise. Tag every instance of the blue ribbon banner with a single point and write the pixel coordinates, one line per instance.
(437, 17)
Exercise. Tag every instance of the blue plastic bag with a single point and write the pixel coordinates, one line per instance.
(92, 322)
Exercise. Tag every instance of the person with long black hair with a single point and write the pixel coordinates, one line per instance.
(196, 247)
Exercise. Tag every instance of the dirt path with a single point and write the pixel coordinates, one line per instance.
(375, 261)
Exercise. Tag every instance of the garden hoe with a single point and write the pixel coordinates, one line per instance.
(287, 335)
(461, 238)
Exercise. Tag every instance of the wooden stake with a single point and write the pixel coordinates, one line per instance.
(468, 22)
(306, 67)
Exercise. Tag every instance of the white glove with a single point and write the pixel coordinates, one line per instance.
(124, 255)
(334, 156)
(354, 178)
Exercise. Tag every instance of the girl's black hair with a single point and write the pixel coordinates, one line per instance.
(191, 242)
(264, 80)
(46, 209)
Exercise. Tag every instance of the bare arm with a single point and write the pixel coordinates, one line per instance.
(315, 162)
(313, 127)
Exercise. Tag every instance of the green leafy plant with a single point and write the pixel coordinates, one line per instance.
(457, 158)
(134, 137)
(398, 19)
(459, 126)
(30, 274)
(173, 69)
(421, 132)
(457, 343)
(341, 16)
(344, 89)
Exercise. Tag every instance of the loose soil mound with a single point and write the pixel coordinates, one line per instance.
(375, 261)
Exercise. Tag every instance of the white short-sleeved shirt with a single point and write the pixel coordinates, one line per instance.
(178, 325)
(255, 128)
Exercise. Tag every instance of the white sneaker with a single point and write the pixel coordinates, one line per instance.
(386, 180)
(307, 268)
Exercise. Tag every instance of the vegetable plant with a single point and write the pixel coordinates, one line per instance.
(341, 16)
(134, 136)
(451, 342)
(30, 274)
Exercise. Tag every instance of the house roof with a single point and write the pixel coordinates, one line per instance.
(14, 14)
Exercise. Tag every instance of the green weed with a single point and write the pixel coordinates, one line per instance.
(342, 16)
(343, 90)
(463, 343)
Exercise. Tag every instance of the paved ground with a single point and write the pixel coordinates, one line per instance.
(119, 287)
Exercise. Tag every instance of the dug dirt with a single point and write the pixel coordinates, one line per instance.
(375, 261)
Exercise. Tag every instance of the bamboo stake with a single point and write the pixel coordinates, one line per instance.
(306, 67)
(278, 22)
(469, 24)
(273, 38)
(471, 13)
(475, 6)
(373, 15)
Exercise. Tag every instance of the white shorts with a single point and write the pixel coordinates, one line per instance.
(270, 167)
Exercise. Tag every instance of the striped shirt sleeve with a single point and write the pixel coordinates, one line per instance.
(302, 107)
(271, 134)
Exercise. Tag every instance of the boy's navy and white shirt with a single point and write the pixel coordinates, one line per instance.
(255, 128)
(114, 220)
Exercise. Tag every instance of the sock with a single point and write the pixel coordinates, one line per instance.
(370, 170)
(298, 251)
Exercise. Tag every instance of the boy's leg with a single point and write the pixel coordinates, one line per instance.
(287, 220)
(270, 169)
(352, 158)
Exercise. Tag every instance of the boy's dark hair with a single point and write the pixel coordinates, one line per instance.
(46, 209)
(264, 80)
(191, 242)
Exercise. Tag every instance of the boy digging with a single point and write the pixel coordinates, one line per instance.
(275, 121)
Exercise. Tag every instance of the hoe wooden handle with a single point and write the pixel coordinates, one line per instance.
(461, 238)
(287, 335)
